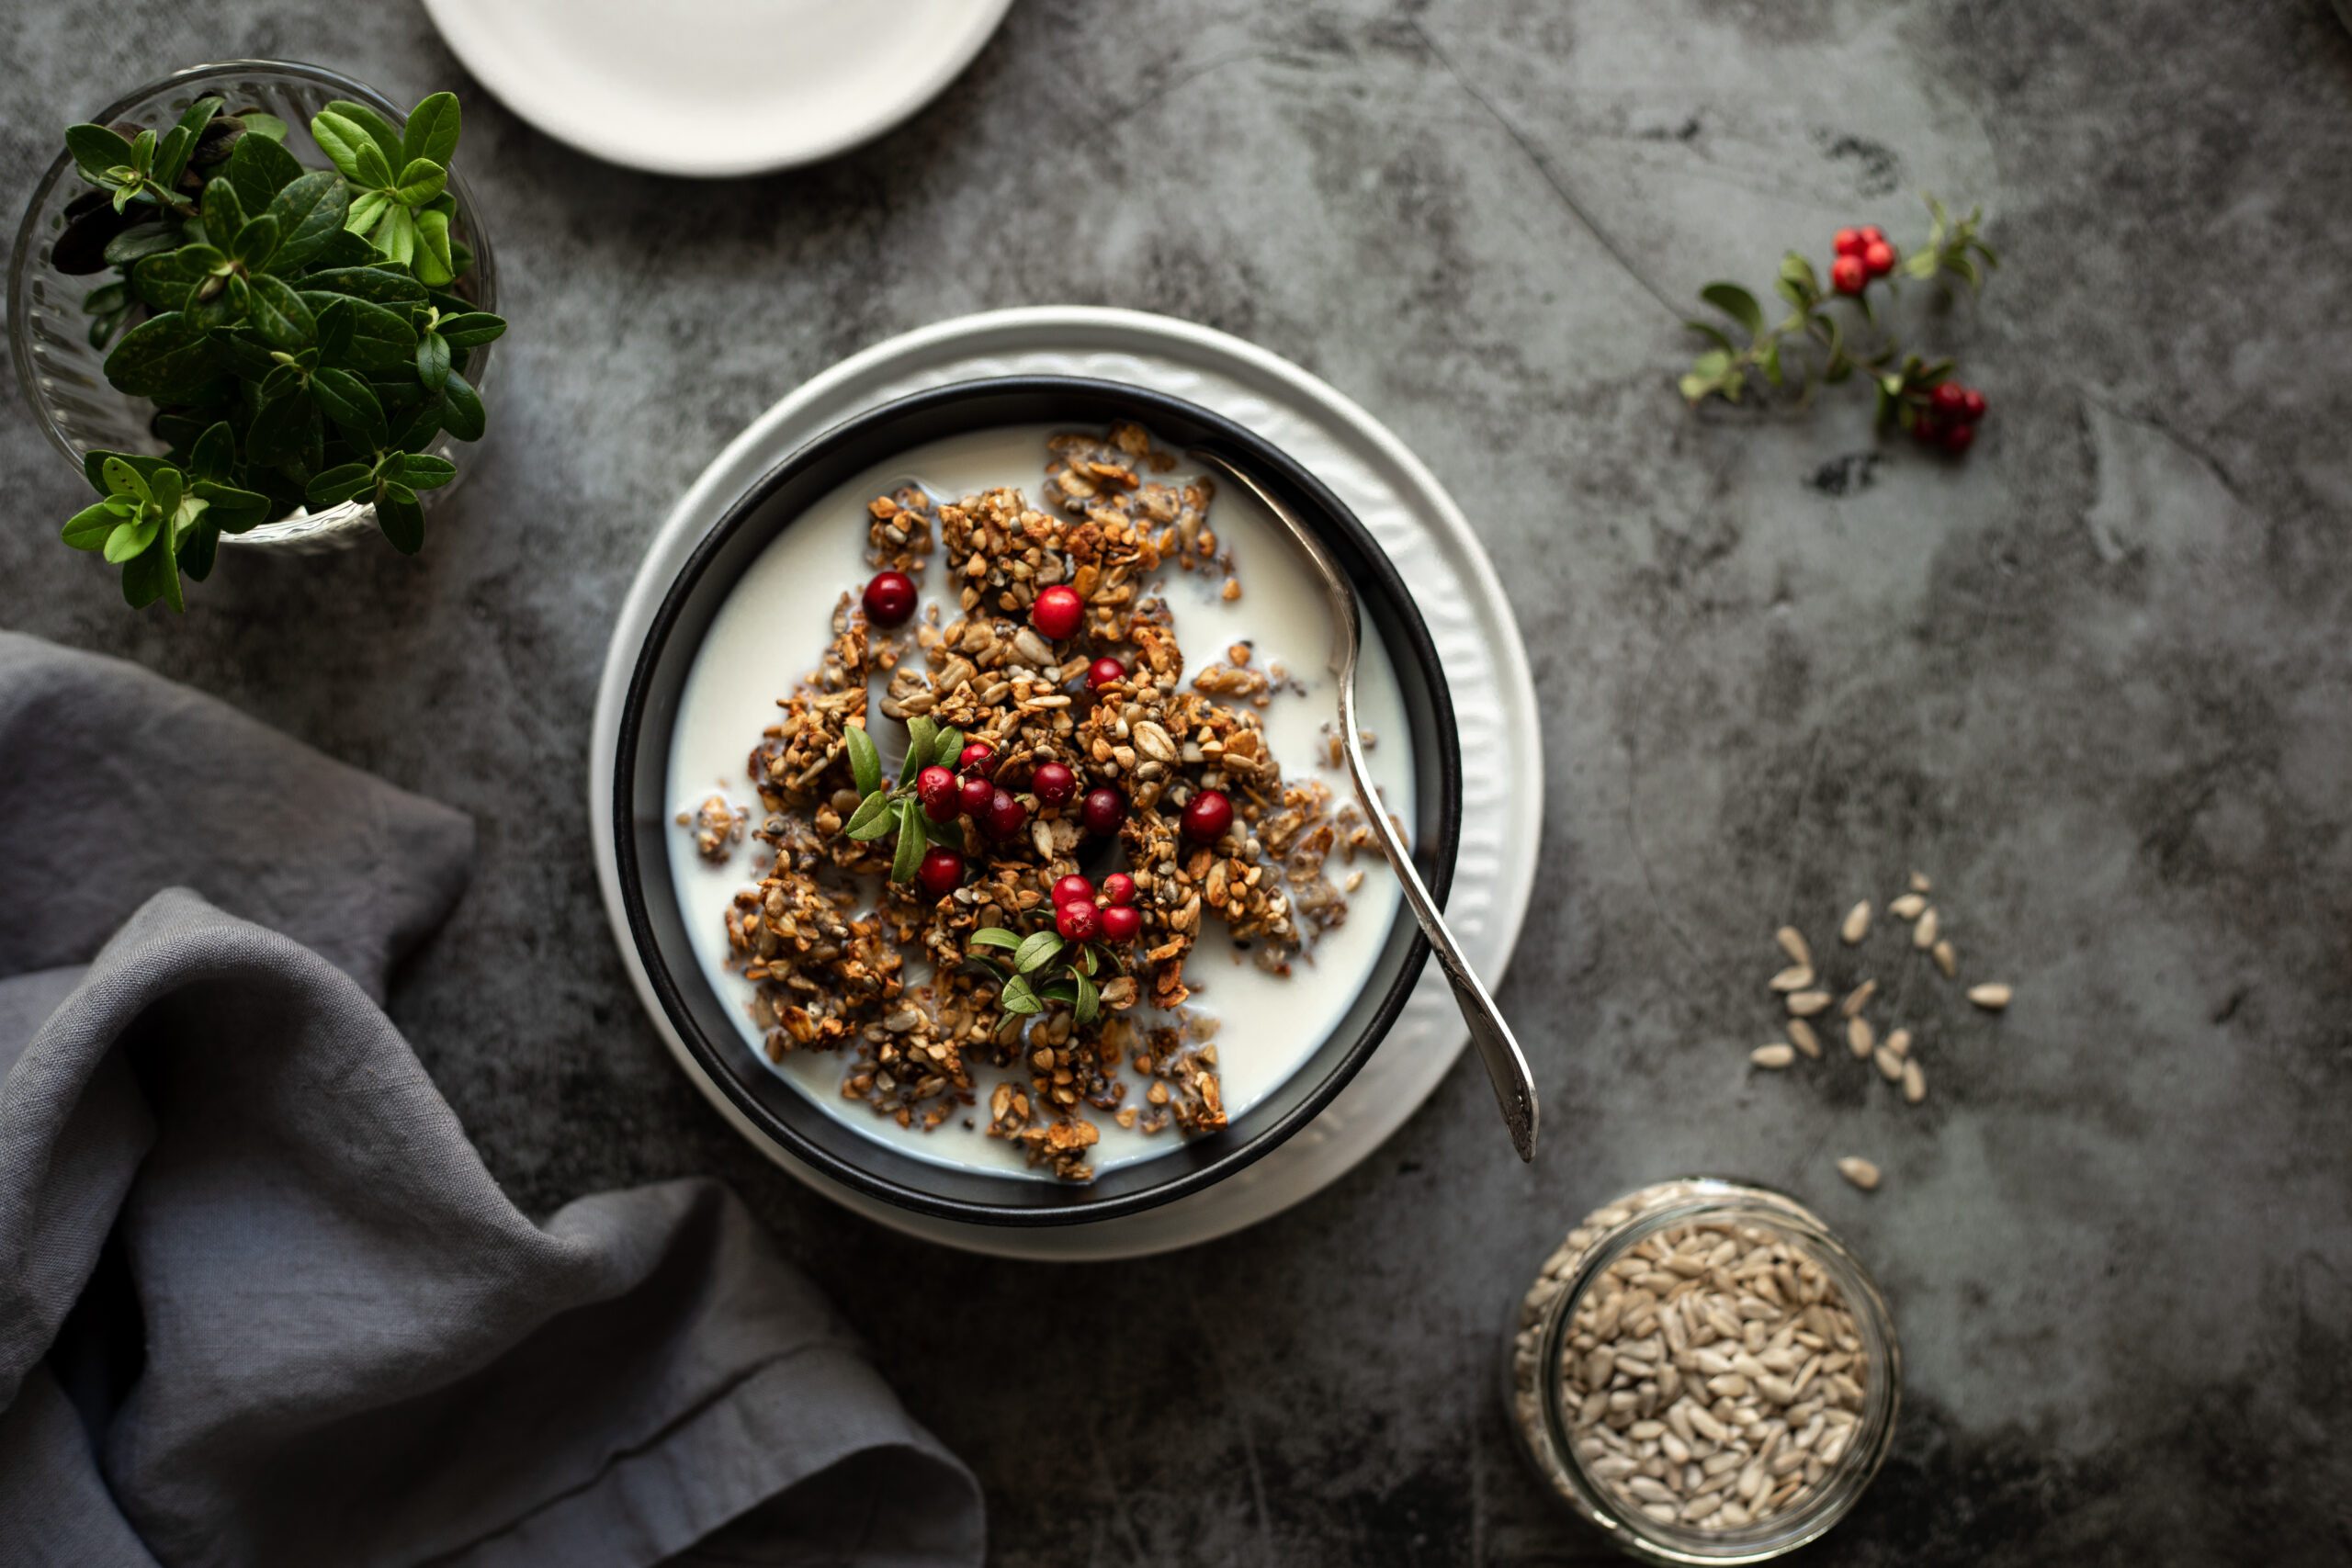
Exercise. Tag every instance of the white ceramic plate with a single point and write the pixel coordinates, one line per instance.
(1453, 585)
(714, 88)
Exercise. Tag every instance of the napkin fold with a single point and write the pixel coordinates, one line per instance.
(261, 1303)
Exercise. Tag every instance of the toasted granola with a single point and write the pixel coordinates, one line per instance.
(831, 957)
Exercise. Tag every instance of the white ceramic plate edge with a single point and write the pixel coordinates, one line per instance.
(1348, 1130)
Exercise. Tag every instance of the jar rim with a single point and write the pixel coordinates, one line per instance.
(1865, 1452)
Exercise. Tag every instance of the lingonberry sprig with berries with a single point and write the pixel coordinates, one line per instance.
(1830, 334)
(1060, 963)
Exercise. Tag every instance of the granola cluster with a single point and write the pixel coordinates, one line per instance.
(826, 936)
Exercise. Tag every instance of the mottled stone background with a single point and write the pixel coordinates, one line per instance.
(2094, 680)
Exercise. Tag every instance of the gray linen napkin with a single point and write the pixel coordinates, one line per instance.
(260, 1302)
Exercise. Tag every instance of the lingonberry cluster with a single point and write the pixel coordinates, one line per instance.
(1815, 344)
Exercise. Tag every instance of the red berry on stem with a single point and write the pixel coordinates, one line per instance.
(1005, 816)
(1878, 258)
(974, 795)
(1078, 922)
(1058, 612)
(1072, 889)
(1928, 429)
(1957, 438)
(1873, 235)
(1975, 405)
(1849, 243)
(1950, 400)
(935, 787)
(1052, 782)
(974, 757)
(1121, 924)
(1847, 276)
(1102, 672)
(889, 598)
(1206, 816)
(1103, 810)
(941, 870)
(1119, 888)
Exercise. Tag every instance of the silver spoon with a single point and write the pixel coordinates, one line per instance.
(1506, 1064)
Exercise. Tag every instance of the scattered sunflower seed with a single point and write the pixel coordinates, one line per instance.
(1991, 996)
(1774, 1056)
(1792, 942)
(1801, 1036)
(1890, 1065)
(1858, 923)
(1860, 1038)
(1858, 999)
(1859, 1171)
(1915, 1084)
(1804, 1004)
(1795, 977)
(1907, 908)
(1899, 1043)
(1923, 935)
(1946, 958)
(1920, 883)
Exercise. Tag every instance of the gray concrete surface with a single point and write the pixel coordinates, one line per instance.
(2094, 681)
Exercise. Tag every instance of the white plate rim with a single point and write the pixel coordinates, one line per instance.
(510, 81)
(1307, 1162)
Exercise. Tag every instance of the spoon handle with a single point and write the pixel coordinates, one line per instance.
(1499, 1050)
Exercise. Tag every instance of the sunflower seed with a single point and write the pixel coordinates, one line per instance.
(1858, 923)
(1890, 1065)
(1804, 1004)
(1774, 1056)
(1915, 1083)
(1796, 977)
(1792, 942)
(1860, 1038)
(1991, 996)
(1946, 958)
(1923, 935)
(1907, 908)
(1858, 999)
(1801, 1036)
(1899, 1043)
(1861, 1173)
(1920, 883)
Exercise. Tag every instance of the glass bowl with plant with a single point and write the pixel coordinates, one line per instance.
(253, 304)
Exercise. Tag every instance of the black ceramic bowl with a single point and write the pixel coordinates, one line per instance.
(645, 837)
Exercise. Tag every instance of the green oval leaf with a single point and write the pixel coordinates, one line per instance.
(432, 130)
(258, 169)
(280, 313)
(864, 759)
(908, 859)
(353, 404)
(871, 819)
(996, 936)
(131, 538)
(471, 329)
(1036, 950)
(433, 360)
(402, 518)
(340, 138)
(377, 284)
(922, 734)
(96, 151)
(89, 528)
(462, 413)
(420, 181)
(163, 357)
(310, 213)
(344, 482)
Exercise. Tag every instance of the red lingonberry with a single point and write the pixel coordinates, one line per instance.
(1975, 409)
(889, 598)
(1052, 782)
(974, 757)
(1121, 924)
(1103, 671)
(935, 787)
(1078, 922)
(1206, 816)
(1849, 243)
(1058, 612)
(1847, 276)
(1928, 429)
(941, 870)
(1071, 890)
(1878, 258)
(1004, 816)
(1957, 438)
(1103, 810)
(1119, 888)
(1873, 235)
(1950, 400)
(974, 795)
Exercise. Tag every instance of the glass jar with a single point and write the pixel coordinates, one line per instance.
(1632, 1238)
(63, 375)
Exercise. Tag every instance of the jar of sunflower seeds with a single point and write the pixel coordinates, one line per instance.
(1705, 1372)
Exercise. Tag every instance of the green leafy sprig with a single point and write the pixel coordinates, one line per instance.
(1043, 967)
(1828, 336)
(304, 334)
(882, 812)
